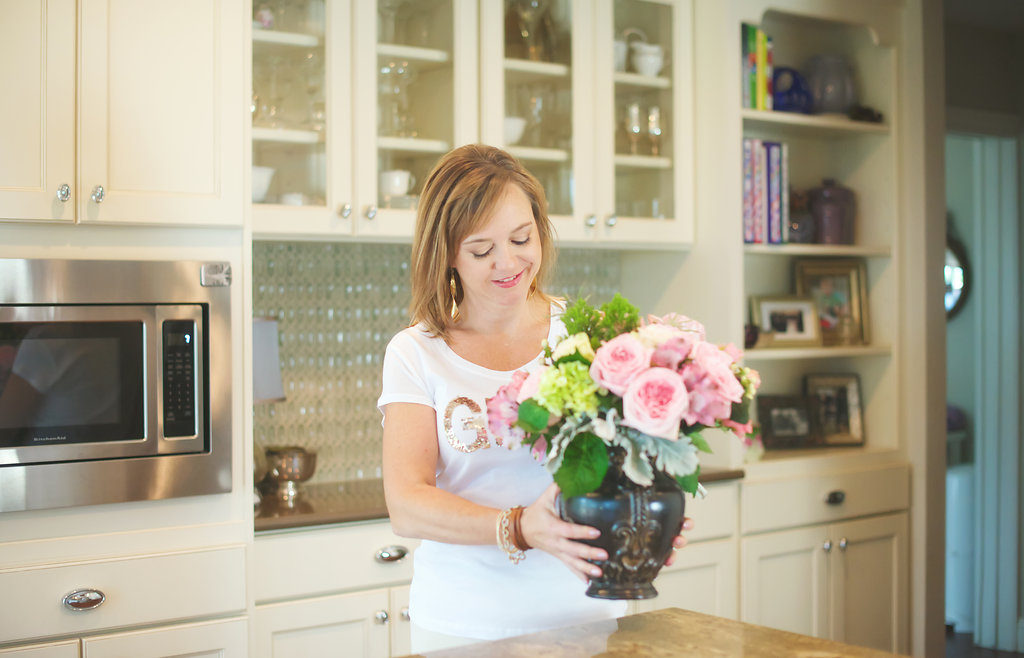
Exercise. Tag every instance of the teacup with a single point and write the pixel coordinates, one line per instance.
(395, 182)
(648, 58)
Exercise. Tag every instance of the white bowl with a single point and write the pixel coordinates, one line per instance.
(261, 177)
(514, 127)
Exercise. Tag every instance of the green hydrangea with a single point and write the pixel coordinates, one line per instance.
(567, 390)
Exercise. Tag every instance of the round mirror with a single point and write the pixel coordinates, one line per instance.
(957, 273)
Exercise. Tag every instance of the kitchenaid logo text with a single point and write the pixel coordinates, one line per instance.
(39, 439)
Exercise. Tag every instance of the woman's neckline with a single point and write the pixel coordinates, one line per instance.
(554, 309)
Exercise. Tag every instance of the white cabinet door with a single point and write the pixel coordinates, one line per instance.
(401, 641)
(160, 111)
(784, 580)
(37, 132)
(704, 579)
(68, 649)
(220, 639)
(353, 625)
(869, 583)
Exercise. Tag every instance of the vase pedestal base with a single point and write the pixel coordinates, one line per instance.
(606, 590)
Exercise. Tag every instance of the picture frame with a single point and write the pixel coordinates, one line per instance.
(787, 421)
(839, 416)
(785, 321)
(838, 287)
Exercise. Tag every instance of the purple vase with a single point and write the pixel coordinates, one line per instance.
(832, 207)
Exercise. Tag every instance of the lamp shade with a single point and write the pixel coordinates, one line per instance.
(266, 362)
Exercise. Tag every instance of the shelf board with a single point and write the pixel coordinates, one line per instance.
(539, 154)
(817, 250)
(646, 81)
(524, 70)
(277, 38)
(412, 145)
(810, 123)
(286, 136)
(413, 53)
(642, 161)
(833, 352)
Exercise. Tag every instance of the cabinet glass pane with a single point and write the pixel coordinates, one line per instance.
(642, 56)
(415, 103)
(288, 105)
(538, 94)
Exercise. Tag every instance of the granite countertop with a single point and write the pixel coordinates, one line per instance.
(668, 632)
(360, 500)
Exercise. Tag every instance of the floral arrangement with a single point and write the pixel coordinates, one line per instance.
(646, 387)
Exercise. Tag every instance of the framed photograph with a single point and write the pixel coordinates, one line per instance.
(787, 421)
(786, 321)
(839, 289)
(837, 408)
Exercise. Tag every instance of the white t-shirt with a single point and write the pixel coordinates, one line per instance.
(476, 591)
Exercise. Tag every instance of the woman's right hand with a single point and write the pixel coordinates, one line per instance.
(543, 529)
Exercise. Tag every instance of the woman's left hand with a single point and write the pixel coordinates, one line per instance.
(679, 541)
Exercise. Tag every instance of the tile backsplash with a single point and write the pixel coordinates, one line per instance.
(337, 305)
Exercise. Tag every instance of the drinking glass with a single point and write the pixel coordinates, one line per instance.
(531, 13)
(654, 128)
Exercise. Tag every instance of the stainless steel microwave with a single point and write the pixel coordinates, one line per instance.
(115, 381)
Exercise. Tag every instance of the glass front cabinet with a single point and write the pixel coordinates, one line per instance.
(354, 102)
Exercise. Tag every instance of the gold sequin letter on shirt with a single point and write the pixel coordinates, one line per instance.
(473, 423)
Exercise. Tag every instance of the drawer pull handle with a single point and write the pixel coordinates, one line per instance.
(84, 599)
(391, 553)
(381, 617)
(405, 613)
(842, 544)
(835, 497)
(827, 546)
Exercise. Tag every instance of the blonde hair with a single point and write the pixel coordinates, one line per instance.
(459, 197)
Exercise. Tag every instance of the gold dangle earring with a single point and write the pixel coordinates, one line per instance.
(454, 288)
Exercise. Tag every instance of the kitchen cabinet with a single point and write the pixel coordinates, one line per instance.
(117, 121)
(827, 556)
(350, 588)
(66, 649)
(611, 142)
(226, 638)
(347, 92)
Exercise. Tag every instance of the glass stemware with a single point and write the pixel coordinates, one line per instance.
(395, 119)
(654, 129)
(633, 127)
(531, 13)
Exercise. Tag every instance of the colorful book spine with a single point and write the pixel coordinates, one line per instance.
(769, 73)
(760, 206)
(785, 192)
(759, 71)
(748, 191)
(774, 192)
(745, 64)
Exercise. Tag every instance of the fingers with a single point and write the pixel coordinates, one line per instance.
(679, 541)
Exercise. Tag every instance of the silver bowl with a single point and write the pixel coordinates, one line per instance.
(287, 466)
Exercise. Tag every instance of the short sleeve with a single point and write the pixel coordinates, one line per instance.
(404, 377)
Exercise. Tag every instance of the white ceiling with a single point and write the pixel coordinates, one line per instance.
(1003, 15)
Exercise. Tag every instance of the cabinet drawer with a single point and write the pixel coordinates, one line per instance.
(715, 515)
(773, 504)
(138, 590)
(306, 562)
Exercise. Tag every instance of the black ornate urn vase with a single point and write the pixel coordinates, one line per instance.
(637, 527)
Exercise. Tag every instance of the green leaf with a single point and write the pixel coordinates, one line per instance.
(532, 416)
(741, 412)
(583, 467)
(688, 483)
(700, 443)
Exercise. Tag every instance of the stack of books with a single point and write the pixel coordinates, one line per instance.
(757, 67)
(765, 192)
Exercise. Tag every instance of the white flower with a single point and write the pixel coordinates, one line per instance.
(572, 344)
(654, 335)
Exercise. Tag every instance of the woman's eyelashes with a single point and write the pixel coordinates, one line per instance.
(518, 243)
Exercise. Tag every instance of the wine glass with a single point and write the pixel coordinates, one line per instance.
(633, 127)
(531, 13)
(654, 128)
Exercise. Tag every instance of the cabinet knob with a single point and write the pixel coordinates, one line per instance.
(405, 613)
(591, 220)
(835, 497)
(381, 617)
(345, 210)
(842, 544)
(611, 221)
(371, 211)
(63, 193)
(391, 553)
(84, 599)
(98, 194)
(827, 546)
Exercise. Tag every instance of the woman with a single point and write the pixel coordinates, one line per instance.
(482, 247)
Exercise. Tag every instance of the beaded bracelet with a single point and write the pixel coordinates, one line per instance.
(506, 531)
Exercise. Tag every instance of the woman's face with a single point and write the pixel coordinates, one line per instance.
(498, 263)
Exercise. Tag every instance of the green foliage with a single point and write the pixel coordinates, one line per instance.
(699, 442)
(615, 317)
(741, 412)
(533, 417)
(689, 483)
(581, 316)
(583, 467)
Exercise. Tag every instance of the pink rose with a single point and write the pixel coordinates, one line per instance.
(741, 430)
(531, 384)
(618, 361)
(673, 352)
(655, 403)
(679, 321)
(503, 412)
(712, 385)
(539, 449)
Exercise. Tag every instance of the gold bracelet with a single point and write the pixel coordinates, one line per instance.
(505, 535)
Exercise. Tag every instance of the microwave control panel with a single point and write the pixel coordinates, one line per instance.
(179, 398)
